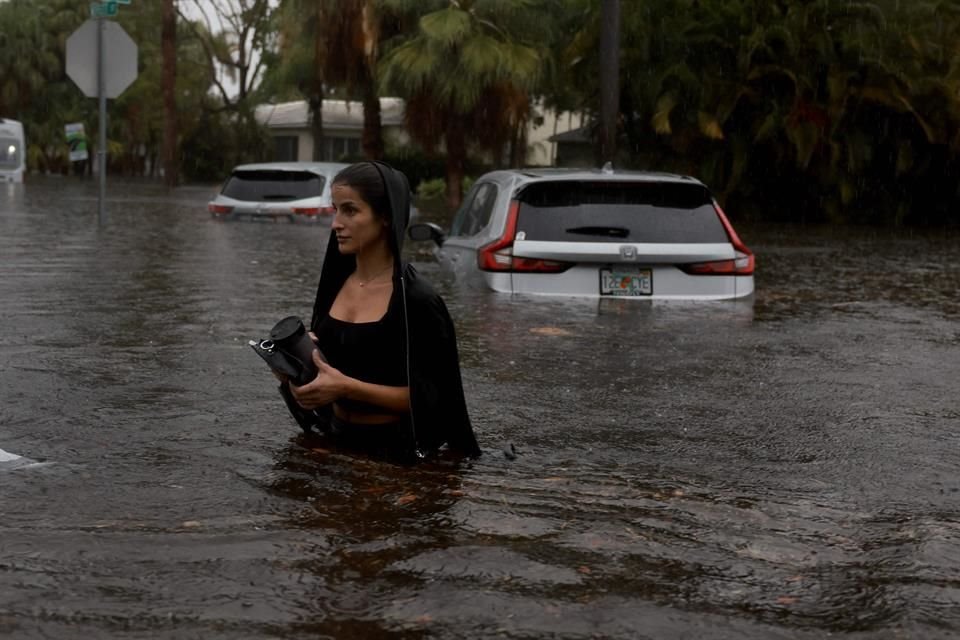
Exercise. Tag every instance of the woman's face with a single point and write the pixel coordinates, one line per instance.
(355, 224)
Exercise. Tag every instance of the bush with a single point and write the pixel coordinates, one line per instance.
(436, 189)
(420, 166)
(219, 143)
(415, 164)
(431, 189)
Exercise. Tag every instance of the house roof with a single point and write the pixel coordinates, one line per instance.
(574, 135)
(337, 114)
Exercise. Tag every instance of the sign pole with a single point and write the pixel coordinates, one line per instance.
(102, 61)
(102, 145)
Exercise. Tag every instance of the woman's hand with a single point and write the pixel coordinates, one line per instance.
(327, 387)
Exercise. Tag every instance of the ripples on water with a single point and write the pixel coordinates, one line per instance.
(781, 468)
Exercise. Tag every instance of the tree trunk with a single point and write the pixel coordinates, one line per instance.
(456, 160)
(609, 78)
(518, 145)
(168, 46)
(316, 126)
(372, 125)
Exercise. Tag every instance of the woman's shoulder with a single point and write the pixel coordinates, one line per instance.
(417, 287)
(420, 293)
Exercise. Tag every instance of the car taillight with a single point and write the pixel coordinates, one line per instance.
(742, 263)
(498, 255)
(306, 211)
(219, 208)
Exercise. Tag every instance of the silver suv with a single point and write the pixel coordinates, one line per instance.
(596, 233)
(295, 191)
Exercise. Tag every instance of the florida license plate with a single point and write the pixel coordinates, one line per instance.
(626, 281)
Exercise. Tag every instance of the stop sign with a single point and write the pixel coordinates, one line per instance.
(119, 58)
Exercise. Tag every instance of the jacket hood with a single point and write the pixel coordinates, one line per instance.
(398, 193)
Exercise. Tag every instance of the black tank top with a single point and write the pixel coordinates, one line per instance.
(369, 351)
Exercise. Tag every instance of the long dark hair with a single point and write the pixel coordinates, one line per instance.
(365, 178)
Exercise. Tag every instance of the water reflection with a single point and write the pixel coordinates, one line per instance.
(342, 490)
(363, 519)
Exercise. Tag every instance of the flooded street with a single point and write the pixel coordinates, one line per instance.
(785, 467)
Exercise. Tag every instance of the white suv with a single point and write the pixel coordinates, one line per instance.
(597, 233)
(295, 191)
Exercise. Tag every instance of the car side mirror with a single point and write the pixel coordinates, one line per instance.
(426, 231)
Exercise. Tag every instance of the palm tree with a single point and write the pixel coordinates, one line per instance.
(353, 47)
(467, 72)
(28, 59)
(330, 47)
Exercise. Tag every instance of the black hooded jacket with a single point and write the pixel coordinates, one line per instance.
(438, 410)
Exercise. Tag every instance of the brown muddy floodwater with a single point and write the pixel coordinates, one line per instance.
(787, 467)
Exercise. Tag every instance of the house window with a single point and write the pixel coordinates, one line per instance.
(336, 149)
(286, 148)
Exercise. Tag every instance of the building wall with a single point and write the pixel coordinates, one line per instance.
(289, 120)
(540, 151)
(337, 141)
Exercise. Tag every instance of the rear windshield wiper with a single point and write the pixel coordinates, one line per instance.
(278, 196)
(607, 232)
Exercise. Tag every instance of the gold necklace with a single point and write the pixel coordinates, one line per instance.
(369, 280)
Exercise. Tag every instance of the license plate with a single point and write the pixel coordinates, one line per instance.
(626, 281)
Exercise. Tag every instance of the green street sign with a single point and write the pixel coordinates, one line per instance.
(123, 1)
(104, 9)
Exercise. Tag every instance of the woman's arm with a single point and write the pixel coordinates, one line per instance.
(331, 385)
(393, 399)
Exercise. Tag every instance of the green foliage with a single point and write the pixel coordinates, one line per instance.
(467, 72)
(416, 164)
(461, 51)
(220, 142)
(446, 27)
(35, 89)
(435, 188)
(814, 110)
(28, 54)
(431, 189)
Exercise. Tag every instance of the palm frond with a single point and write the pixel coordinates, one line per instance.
(769, 126)
(709, 125)
(661, 115)
(447, 26)
(406, 68)
(522, 63)
(483, 56)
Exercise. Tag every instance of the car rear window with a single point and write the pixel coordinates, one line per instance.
(601, 211)
(273, 186)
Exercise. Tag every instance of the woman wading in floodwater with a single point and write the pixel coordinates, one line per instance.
(391, 385)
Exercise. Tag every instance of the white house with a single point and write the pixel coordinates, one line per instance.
(545, 125)
(289, 126)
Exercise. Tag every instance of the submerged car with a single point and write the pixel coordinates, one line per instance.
(12, 151)
(595, 233)
(295, 191)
